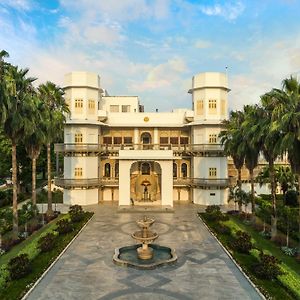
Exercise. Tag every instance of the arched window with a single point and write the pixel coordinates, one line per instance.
(107, 170)
(146, 138)
(145, 169)
(184, 170)
(174, 170)
(117, 170)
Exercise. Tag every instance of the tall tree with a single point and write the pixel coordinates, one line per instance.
(52, 96)
(287, 120)
(231, 138)
(17, 121)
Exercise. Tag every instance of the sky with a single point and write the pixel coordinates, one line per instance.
(153, 48)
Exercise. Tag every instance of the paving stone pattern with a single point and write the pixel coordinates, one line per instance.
(86, 270)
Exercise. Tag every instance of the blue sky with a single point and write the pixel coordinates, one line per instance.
(153, 48)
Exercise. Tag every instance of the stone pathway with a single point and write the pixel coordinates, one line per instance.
(86, 270)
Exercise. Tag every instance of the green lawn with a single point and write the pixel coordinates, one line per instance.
(276, 289)
(40, 261)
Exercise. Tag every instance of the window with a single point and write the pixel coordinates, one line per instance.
(184, 140)
(78, 138)
(212, 106)
(78, 172)
(184, 170)
(223, 107)
(164, 140)
(117, 140)
(107, 140)
(78, 105)
(127, 140)
(146, 169)
(117, 170)
(212, 139)
(174, 170)
(125, 108)
(200, 107)
(114, 108)
(107, 170)
(91, 106)
(174, 140)
(212, 172)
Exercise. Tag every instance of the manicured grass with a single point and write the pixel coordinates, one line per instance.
(40, 261)
(274, 289)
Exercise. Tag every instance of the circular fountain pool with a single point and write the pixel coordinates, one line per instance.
(127, 256)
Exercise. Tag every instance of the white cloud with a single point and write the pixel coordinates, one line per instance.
(21, 5)
(230, 10)
(202, 44)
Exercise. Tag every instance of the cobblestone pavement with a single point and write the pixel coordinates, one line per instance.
(86, 270)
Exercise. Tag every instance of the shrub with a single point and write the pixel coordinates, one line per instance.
(266, 234)
(212, 209)
(213, 213)
(232, 212)
(268, 267)
(242, 242)
(223, 229)
(289, 251)
(76, 213)
(8, 243)
(46, 242)
(290, 198)
(19, 266)
(64, 226)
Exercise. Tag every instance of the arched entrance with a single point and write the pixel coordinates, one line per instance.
(145, 182)
(146, 138)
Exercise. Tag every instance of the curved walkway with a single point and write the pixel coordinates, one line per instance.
(86, 270)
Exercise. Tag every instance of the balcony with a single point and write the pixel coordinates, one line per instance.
(102, 149)
(86, 183)
(201, 182)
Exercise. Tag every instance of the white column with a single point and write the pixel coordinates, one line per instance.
(166, 182)
(124, 182)
(136, 138)
(155, 137)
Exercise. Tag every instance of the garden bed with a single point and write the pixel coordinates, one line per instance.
(285, 286)
(40, 261)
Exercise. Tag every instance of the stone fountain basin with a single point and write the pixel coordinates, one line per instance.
(127, 257)
(145, 222)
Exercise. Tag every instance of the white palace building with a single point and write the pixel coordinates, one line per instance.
(114, 151)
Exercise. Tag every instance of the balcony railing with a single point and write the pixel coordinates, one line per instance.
(110, 181)
(201, 182)
(86, 182)
(184, 148)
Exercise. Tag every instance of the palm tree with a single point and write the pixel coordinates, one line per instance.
(17, 122)
(3, 98)
(251, 147)
(287, 119)
(52, 96)
(269, 136)
(231, 138)
(34, 142)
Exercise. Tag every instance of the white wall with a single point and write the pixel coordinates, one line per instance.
(81, 197)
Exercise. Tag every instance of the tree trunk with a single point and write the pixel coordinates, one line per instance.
(252, 192)
(49, 210)
(299, 207)
(239, 183)
(273, 197)
(33, 180)
(15, 191)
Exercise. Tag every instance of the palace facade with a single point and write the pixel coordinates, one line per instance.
(114, 151)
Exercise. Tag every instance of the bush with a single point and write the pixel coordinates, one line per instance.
(46, 242)
(6, 198)
(64, 226)
(268, 267)
(19, 266)
(242, 242)
(289, 251)
(213, 213)
(279, 240)
(291, 198)
(76, 213)
(212, 209)
(266, 234)
(223, 229)
(8, 243)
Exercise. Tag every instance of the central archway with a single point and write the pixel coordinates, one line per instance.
(145, 182)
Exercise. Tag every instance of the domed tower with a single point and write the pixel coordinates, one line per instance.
(82, 94)
(209, 93)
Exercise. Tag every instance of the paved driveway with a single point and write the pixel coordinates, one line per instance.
(86, 270)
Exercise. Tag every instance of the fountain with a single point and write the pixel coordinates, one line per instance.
(145, 255)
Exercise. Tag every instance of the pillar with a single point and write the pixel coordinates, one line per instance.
(166, 182)
(124, 182)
